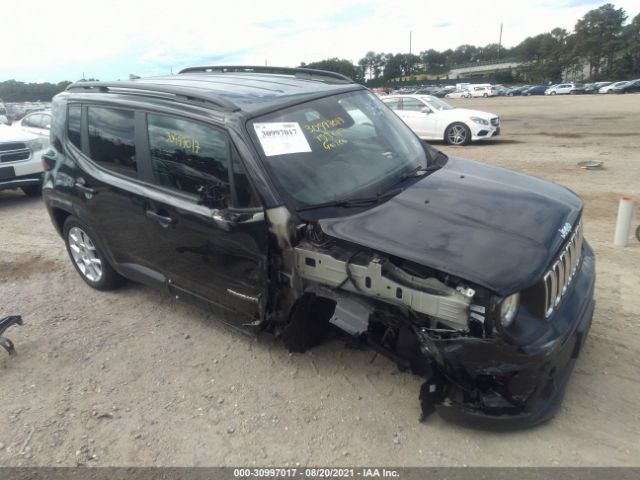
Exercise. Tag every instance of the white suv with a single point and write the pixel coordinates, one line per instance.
(481, 91)
(20, 161)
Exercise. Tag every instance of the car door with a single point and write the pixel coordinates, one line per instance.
(213, 251)
(419, 117)
(108, 182)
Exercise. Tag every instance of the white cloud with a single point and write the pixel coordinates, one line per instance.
(110, 39)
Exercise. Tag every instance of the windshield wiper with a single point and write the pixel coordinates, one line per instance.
(419, 171)
(351, 202)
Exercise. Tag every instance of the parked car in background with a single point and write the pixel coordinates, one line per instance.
(37, 123)
(515, 91)
(611, 87)
(441, 92)
(536, 90)
(565, 89)
(426, 90)
(20, 160)
(482, 91)
(501, 90)
(591, 88)
(632, 86)
(458, 94)
(434, 119)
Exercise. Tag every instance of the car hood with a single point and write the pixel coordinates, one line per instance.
(466, 113)
(487, 225)
(10, 134)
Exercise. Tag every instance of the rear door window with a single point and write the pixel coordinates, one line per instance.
(392, 103)
(112, 139)
(412, 105)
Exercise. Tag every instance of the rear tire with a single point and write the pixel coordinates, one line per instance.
(32, 190)
(87, 258)
(638, 233)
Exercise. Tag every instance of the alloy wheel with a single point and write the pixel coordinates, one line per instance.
(457, 135)
(84, 254)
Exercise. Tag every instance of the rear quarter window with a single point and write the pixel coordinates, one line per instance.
(73, 125)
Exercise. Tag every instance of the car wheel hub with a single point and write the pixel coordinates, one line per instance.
(457, 135)
(84, 254)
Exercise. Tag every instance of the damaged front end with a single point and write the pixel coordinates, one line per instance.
(441, 327)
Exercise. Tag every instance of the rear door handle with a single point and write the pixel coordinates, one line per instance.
(161, 219)
(83, 188)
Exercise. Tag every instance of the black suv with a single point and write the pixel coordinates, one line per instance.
(297, 199)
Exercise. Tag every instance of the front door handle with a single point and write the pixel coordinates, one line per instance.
(83, 188)
(161, 219)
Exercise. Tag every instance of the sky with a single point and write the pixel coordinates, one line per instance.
(44, 40)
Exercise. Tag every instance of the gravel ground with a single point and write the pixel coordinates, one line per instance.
(134, 378)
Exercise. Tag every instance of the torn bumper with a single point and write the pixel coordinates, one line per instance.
(500, 386)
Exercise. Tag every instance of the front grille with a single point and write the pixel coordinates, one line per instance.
(14, 155)
(495, 121)
(12, 146)
(557, 280)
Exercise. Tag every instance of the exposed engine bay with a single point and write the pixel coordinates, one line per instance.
(393, 306)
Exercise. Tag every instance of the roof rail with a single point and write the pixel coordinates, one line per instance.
(306, 73)
(152, 89)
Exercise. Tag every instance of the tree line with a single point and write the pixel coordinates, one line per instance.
(602, 46)
(14, 91)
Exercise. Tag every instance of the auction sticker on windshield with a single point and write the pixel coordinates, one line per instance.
(280, 138)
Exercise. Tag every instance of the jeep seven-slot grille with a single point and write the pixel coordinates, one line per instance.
(13, 152)
(557, 280)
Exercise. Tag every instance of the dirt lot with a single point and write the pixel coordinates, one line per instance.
(134, 378)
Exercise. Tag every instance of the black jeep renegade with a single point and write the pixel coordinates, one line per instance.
(297, 199)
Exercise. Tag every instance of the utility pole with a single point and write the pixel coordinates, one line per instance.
(409, 72)
(500, 40)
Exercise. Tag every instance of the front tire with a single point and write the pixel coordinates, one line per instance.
(457, 134)
(87, 258)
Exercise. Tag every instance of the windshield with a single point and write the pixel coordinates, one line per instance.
(335, 148)
(436, 104)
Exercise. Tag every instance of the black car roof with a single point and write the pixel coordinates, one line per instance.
(251, 89)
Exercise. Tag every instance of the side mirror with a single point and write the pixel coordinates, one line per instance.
(213, 195)
(426, 110)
